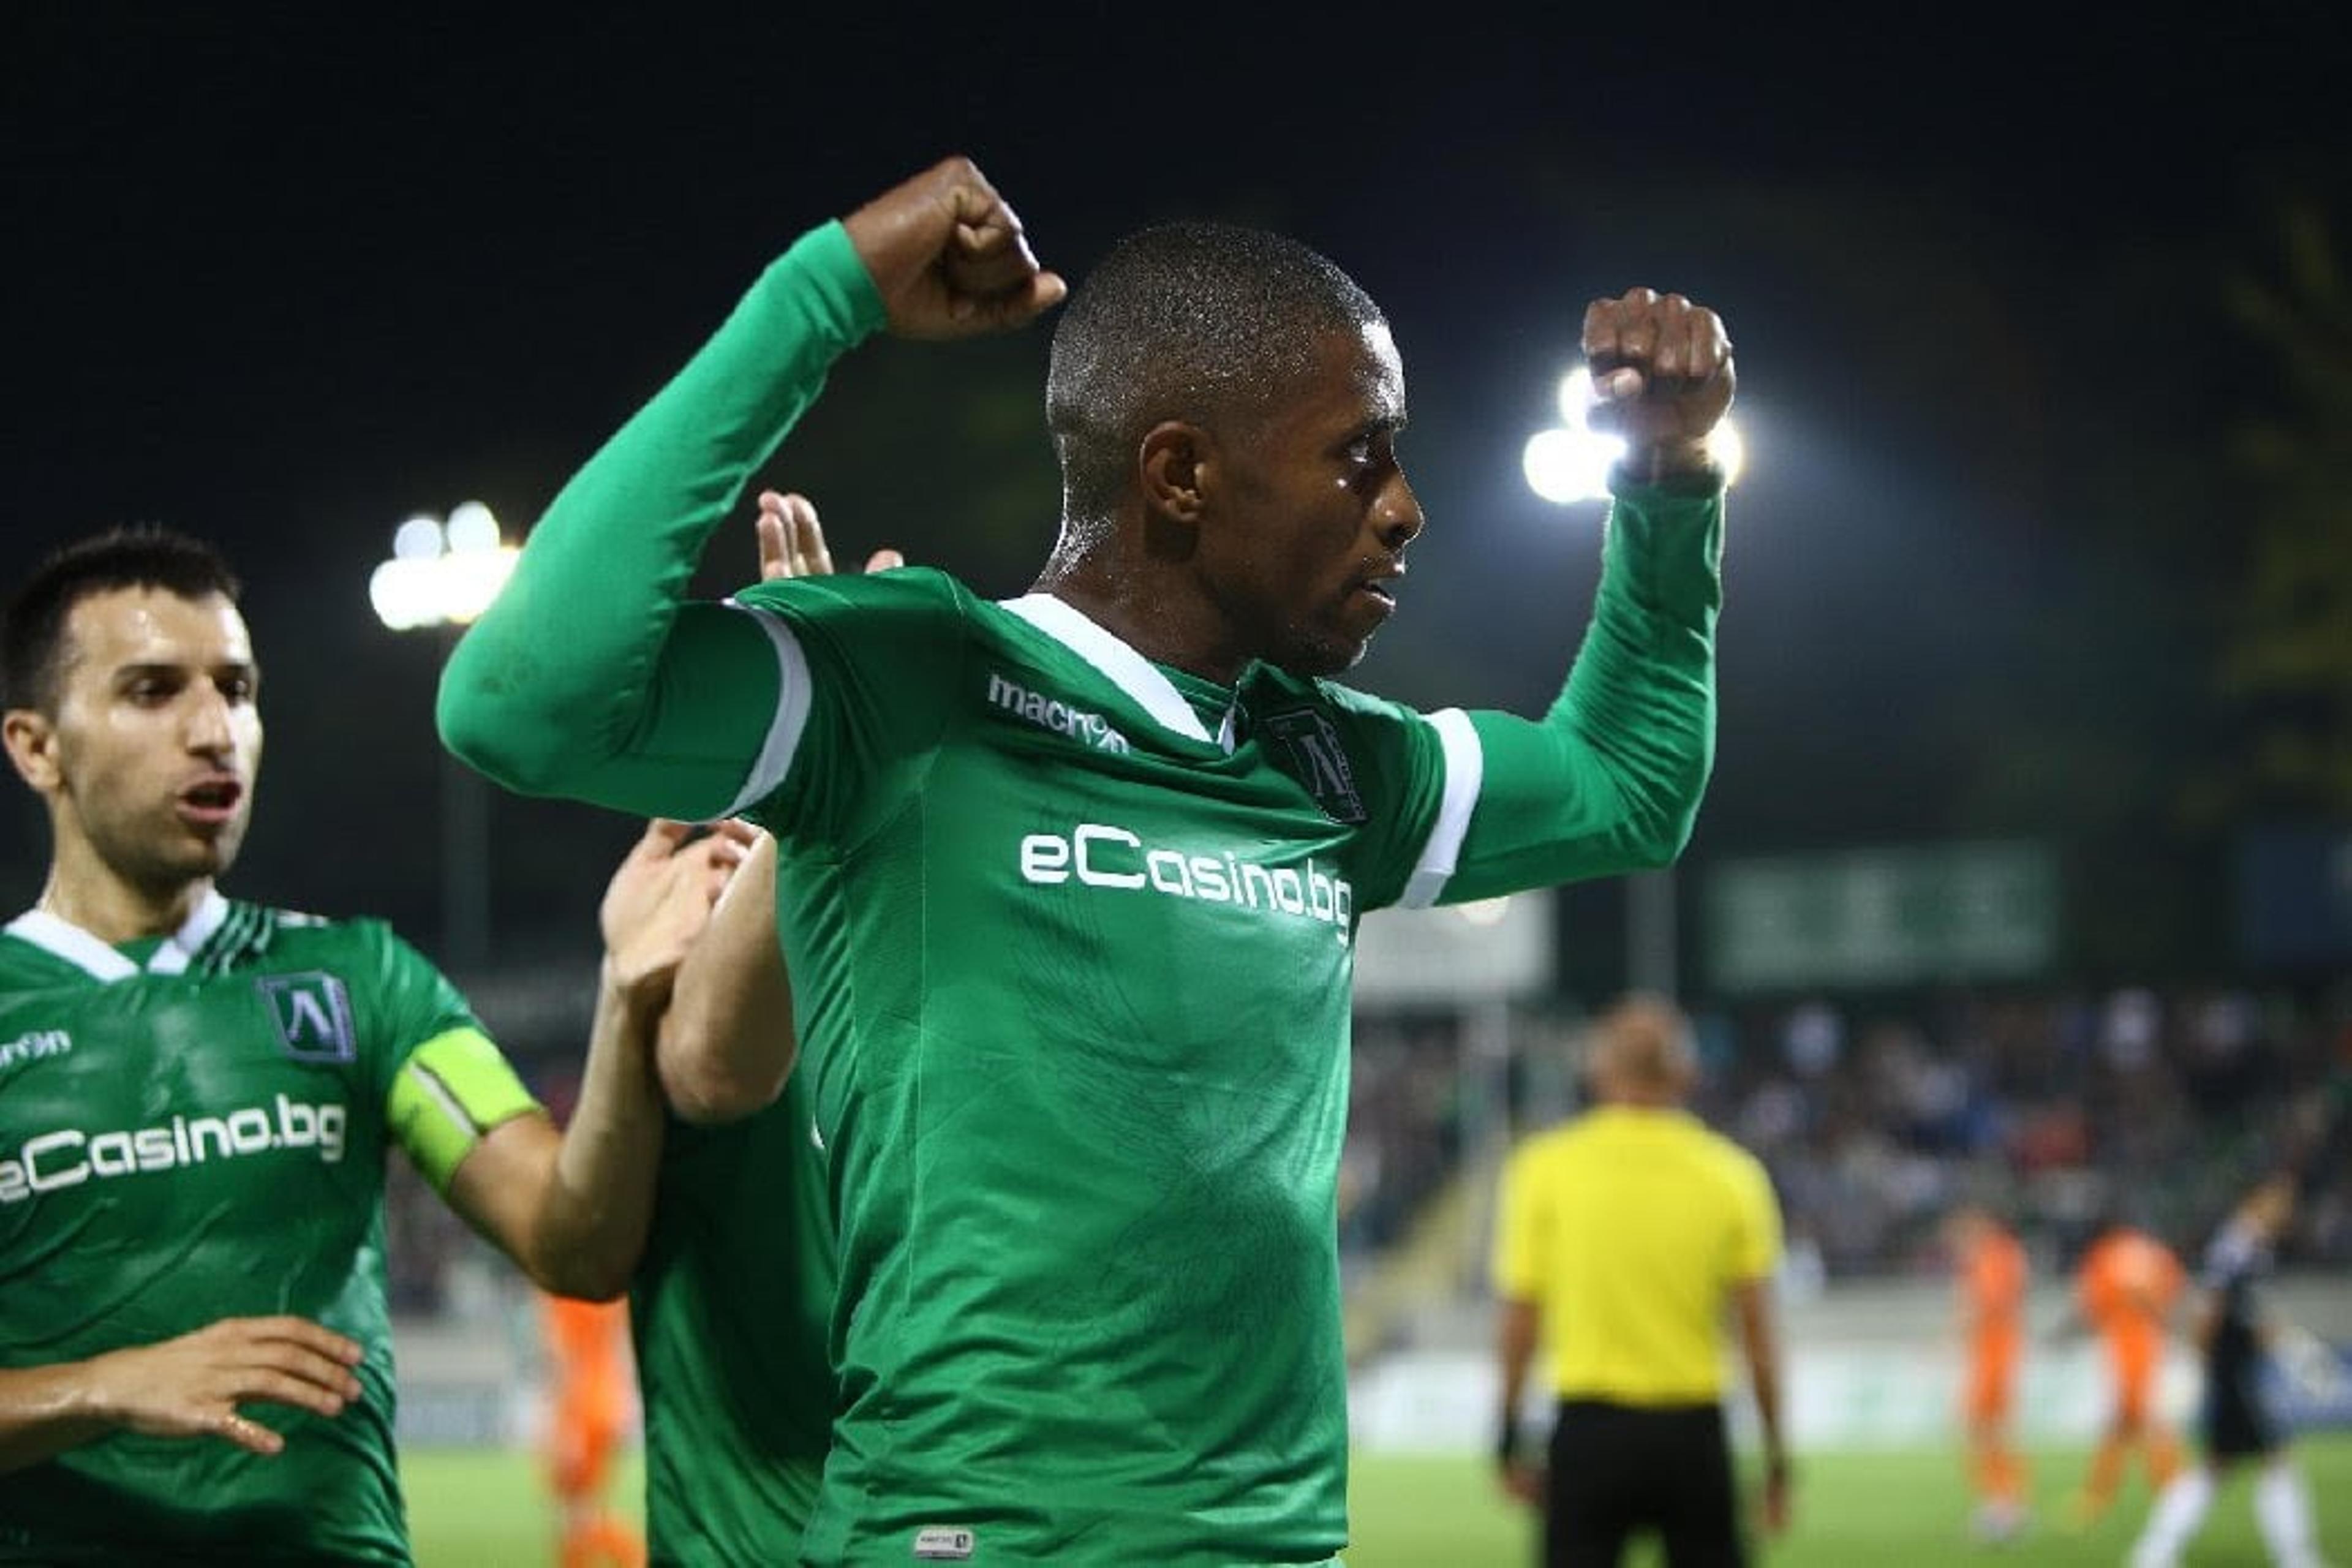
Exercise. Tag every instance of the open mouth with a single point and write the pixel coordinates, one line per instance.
(1382, 577)
(211, 800)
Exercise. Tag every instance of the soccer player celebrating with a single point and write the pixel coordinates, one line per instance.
(1068, 884)
(197, 1096)
(730, 1304)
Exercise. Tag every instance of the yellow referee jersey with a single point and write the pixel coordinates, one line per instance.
(1630, 1227)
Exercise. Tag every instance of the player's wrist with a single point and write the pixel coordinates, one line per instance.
(1509, 1439)
(1681, 461)
(93, 1395)
(639, 992)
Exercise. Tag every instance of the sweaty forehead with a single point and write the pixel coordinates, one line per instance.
(1357, 379)
(1381, 369)
(155, 627)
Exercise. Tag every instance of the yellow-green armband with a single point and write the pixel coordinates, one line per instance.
(453, 1089)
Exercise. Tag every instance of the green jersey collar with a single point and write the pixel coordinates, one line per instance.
(1133, 674)
(77, 947)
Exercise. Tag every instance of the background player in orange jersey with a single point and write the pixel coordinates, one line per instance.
(590, 1384)
(1990, 1272)
(2128, 1287)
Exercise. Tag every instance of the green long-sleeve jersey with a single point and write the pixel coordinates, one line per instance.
(196, 1129)
(1071, 936)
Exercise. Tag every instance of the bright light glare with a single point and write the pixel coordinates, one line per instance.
(472, 528)
(440, 576)
(401, 590)
(1565, 465)
(1484, 911)
(1730, 449)
(470, 581)
(1571, 461)
(1576, 398)
(418, 539)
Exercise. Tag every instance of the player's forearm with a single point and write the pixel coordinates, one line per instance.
(45, 1410)
(1640, 694)
(557, 683)
(1764, 1381)
(1610, 779)
(1760, 1340)
(1515, 1352)
(592, 1220)
(726, 1041)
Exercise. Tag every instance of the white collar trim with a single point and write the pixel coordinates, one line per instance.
(1120, 665)
(57, 935)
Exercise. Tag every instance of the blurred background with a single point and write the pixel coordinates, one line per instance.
(2027, 866)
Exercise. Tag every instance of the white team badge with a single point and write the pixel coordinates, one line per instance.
(313, 1015)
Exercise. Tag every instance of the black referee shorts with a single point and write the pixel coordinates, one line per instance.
(2236, 1422)
(1618, 1471)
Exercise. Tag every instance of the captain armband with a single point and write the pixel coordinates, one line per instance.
(451, 1091)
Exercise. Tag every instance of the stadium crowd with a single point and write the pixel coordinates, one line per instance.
(2058, 1106)
(2062, 1108)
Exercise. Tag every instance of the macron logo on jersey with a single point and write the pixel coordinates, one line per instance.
(1098, 854)
(37, 1044)
(1052, 714)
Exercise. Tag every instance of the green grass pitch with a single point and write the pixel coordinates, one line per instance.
(483, 1508)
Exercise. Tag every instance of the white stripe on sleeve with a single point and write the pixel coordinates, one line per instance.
(775, 757)
(1465, 768)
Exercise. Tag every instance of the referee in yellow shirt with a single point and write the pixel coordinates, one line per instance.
(1622, 1237)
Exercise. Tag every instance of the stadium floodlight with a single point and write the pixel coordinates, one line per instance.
(442, 575)
(1570, 461)
(418, 539)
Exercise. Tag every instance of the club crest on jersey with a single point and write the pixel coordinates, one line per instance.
(1319, 761)
(313, 1015)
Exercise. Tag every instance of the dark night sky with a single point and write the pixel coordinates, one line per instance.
(281, 280)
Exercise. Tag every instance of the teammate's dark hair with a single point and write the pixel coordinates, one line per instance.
(1197, 321)
(134, 555)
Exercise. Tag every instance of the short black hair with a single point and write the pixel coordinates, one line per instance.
(1185, 321)
(132, 556)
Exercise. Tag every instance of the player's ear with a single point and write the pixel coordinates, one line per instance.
(32, 743)
(1173, 463)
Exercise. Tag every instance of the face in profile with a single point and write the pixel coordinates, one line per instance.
(1304, 548)
(150, 758)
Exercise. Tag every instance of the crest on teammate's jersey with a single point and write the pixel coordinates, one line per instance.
(313, 1015)
(1319, 762)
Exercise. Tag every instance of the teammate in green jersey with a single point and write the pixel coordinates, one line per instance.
(197, 1096)
(729, 1306)
(1068, 884)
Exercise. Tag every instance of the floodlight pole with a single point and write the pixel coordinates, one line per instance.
(444, 611)
(1651, 932)
(465, 852)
